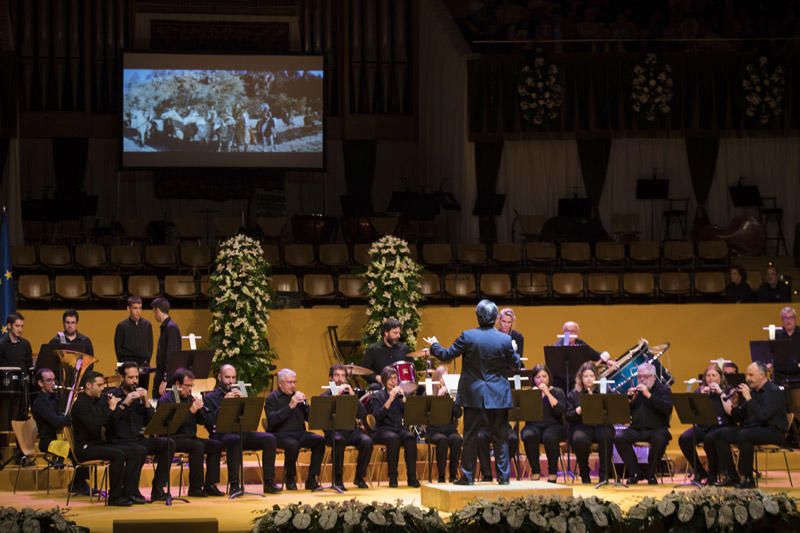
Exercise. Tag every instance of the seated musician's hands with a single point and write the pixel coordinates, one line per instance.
(715, 388)
(745, 391)
(642, 388)
(233, 393)
(162, 388)
(345, 389)
(131, 397)
(197, 404)
(431, 340)
(142, 393)
(578, 410)
(113, 401)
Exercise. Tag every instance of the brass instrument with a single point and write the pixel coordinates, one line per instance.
(73, 364)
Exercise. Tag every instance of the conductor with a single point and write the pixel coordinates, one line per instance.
(483, 389)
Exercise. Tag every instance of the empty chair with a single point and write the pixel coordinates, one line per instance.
(334, 255)
(107, 287)
(460, 285)
(205, 286)
(532, 284)
(54, 255)
(319, 286)
(180, 287)
(709, 283)
(678, 252)
(437, 254)
(430, 285)
(227, 226)
(23, 256)
(146, 287)
(540, 253)
(507, 254)
(471, 254)
(361, 254)
(714, 252)
(638, 284)
(272, 227)
(530, 226)
(674, 283)
(625, 226)
(576, 253)
(609, 254)
(352, 287)
(190, 227)
(496, 285)
(195, 256)
(71, 288)
(34, 287)
(384, 225)
(272, 254)
(299, 255)
(134, 229)
(603, 284)
(643, 253)
(568, 284)
(90, 256)
(160, 256)
(126, 257)
(285, 283)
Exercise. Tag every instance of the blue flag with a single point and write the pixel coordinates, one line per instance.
(8, 304)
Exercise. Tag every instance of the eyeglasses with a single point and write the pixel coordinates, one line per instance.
(646, 376)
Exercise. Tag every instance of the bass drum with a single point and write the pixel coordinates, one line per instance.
(625, 376)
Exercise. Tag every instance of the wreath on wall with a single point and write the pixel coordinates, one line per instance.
(652, 89)
(539, 92)
(763, 90)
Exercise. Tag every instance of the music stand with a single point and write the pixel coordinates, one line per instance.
(428, 411)
(198, 361)
(240, 415)
(577, 208)
(605, 409)
(760, 352)
(166, 421)
(697, 410)
(734, 380)
(527, 408)
(333, 413)
(745, 195)
(783, 359)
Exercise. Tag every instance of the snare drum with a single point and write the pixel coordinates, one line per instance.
(11, 380)
(406, 376)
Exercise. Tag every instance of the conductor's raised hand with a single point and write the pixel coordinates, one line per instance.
(431, 340)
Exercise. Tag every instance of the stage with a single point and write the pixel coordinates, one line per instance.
(237, 515)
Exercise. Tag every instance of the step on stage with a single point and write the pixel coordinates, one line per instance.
(449, 498)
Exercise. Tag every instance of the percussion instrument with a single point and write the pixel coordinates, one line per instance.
(625, 375)
(11, 380)
(355, 370)
(406, 377)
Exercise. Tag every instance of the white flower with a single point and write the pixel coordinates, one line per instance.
(301, 520)
(377, 518)
(283, 516)
(491, 515)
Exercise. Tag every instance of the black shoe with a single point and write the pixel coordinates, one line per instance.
(652, 481)
(503, 482)
(729, 482)
(392, 483)
(235, 491)
(710, 481)
(272, 488)
(360, 483)
(212, 490)
(137, 499)
(700, 477)
(196, 493)
(485, 479)
(413, 483)
(80, 490)
(119, 501)
(586, 480)
(291, 485)
(311, 484)
(747, 483)
(440, 479)
(158, 494)
(463, 481)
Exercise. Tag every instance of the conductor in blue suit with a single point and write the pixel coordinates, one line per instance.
(483, 389)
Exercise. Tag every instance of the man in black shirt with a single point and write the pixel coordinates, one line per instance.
(133, 339)
(71, 336)
(287, 412)
(90, 413)
(354, 437)
(762, 414)
(571, 337)
(128, 421)
(651, 408)
(253, 440)
(186, 439)
(790, 331)
(169, 340)
(14, 350)
(773, 289)
(389, 350)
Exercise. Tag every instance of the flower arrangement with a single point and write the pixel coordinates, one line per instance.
(763, 90)
(539, 92)
(539, 513)
(351, 516)
(34, 520)
(393, 288)
(240, 294)
(652, 88)
(713, 509)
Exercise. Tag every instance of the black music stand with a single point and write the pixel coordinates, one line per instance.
(525, 373)
(734, 380)
(577, 208)
(745, 195)
(198, 361)
(697, 410)
(566, 360)
(240, 415)
(428, 411)
(605, 409)
(333, 413)
(527, 407)
(779, 353)
(166, 421)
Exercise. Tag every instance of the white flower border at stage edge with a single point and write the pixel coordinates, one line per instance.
(393, 289)
(240, 295)
(539, 92)
(652, 88)
(763, 90)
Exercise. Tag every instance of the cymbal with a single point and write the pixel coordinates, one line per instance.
(659, 348)
(355, 370)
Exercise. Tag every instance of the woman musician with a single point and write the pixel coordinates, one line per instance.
(550, 429)
(715, 386)
(583, 435)
(446, 437)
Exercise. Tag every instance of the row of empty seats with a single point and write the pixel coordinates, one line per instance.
(33, 288)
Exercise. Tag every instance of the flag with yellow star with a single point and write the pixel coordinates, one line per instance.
(8, 303)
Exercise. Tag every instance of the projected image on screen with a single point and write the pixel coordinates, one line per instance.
(223, 116)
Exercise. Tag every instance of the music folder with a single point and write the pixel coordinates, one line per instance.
(239, 415)
(198, 361)
(428, 410)
(603, 409)
(527, 405)
(168, 419)
(333, 413)
(695, 409)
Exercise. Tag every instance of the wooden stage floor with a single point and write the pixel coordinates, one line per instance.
(238, 515)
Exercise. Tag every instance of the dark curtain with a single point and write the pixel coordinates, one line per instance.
(69, 162)
(487, 168)
(593, 154)
(4, 144)
(359, 171)
(702, 155)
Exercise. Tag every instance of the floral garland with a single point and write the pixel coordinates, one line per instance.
(240, 297)
(35, 520)
(539, 92)
(393, 288)
(652, 88)
(763, 90)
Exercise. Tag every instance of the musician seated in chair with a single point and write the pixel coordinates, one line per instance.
(385, 352)
(446, 437)
(582, 435)
(388, 408)
(187, 441)
(762, 414)
(287, 412)
(71, 335)
(250, 440)
(651, 408)
(354, 437)
(550, 429)
(571, 331)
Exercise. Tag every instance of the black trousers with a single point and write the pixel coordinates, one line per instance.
(583, 436)
(255, 441)
(291, 443)
(551, 436)
(485, 452)
(694, 436)
(124, 468)
(161, 448)
(495, 422)
(658, 440)
(449, 440)
(339, 440)
(745, 439)
(198, 449)
(393, 439)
